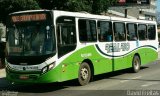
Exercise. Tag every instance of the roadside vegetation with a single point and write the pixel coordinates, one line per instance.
(90, 6)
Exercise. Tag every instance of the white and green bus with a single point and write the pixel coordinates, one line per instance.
(45, 46)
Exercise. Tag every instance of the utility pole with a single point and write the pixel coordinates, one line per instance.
(126, 13)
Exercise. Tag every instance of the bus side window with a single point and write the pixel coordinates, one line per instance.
(87, 30)
(151, 32)
(119, 31)
(132, 31)
(68, 35)
(105, 31)
(142, 31)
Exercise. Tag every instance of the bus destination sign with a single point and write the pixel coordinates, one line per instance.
(29, 17)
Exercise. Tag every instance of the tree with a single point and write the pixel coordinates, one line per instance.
(52, 4)
(80, 5)
(9, 6)
(66, 5)
(100, 6)
(91, 6)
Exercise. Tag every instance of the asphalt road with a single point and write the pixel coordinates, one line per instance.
(121, 83)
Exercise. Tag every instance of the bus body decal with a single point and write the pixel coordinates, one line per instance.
(146, 46)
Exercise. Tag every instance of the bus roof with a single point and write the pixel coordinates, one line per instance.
(92, 16)
(27, 11)
(87, 15)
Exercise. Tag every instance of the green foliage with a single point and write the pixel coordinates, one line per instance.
(67, 5)
(100, 6)
(9, 6)
(91, 6)
(80, 5)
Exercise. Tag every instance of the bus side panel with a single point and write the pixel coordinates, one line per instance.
(124, 62)
(69, 70)
(51, 76)
(147, 55)
(102, 64)
(120, 63)
(70, 65)
(152, 51)
(148, 51)
(123, 57)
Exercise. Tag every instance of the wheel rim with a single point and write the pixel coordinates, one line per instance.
(136, 64)
(84, 73)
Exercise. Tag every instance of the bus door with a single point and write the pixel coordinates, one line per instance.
(66, 42)
(66, 35)
(105, 36)
(120, 46)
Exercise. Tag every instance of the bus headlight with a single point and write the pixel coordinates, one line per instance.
(51, 66)
(44, 69)
(48, 67)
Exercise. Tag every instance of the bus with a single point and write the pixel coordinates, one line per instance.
(45, 46)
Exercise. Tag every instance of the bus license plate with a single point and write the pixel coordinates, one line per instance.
(24, 77)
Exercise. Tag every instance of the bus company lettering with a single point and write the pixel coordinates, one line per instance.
(117, 47)
(85, 55)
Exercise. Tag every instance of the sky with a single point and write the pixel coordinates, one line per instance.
(158, 5)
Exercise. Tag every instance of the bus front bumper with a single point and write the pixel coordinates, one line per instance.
(32, 77)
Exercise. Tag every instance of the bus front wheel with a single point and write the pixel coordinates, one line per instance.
(136, 63)
(84, 74)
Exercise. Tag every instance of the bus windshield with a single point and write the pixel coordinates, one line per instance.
(30, 39)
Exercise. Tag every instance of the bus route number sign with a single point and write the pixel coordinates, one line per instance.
(29, 17)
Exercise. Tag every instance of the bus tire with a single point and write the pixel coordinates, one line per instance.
(136, 63)
(84, 74)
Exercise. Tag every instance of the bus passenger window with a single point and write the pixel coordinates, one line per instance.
(105, 31)
(151, 32)
(87, 30)
(142, 32)
(119, 31)
(131, 32)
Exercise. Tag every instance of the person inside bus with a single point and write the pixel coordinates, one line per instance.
(109, 35)
(131, 35)
(37, 40)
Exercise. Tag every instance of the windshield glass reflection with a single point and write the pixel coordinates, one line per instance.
(30, 40)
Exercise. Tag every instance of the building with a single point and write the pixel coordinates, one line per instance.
(158, 17)
(150, 13)
(147, 12)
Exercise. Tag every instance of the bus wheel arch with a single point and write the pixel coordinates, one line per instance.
(85, 72)
(91, 66)
(136, 63)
